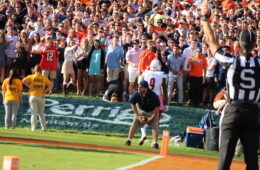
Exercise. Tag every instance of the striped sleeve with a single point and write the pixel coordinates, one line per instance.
(224, 58)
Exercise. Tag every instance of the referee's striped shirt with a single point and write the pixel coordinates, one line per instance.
(243, 75)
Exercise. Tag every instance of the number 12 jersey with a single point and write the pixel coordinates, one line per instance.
(49, 58)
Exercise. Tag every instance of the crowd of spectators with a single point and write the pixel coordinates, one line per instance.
(89, 43)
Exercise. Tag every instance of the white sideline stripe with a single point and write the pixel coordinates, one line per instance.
(140, 163)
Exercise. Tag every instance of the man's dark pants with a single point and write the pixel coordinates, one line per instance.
(240, 120)
(195, 89)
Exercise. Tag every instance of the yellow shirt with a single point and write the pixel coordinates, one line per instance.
(37, 84)
(12, 90)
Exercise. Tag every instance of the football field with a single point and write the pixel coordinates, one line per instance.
(65, 151)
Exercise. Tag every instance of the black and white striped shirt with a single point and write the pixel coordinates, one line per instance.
(243, 75)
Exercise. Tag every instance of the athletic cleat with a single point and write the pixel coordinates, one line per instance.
(141, 141)
(128, 143)
(155, 146)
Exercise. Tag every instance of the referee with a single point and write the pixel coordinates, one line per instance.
(241, 115)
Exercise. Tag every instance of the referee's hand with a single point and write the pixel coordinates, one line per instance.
(205, 10)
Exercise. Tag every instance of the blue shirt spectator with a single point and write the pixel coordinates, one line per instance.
(114, 56)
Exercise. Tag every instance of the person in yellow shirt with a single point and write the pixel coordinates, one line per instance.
(38, 85)
(12, 98)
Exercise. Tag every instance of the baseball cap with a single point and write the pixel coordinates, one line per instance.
(135, 41)
(198, 50)
(144, 84)
(168, 10)
(182, 21)
(61, 38)
(115, 12)
(192, 32)
(159, 41)
(247, 36)
(31, 24)
(8, 10)
(48, 37)
(69, 10)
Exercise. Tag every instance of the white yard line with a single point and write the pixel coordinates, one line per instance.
(140, 163)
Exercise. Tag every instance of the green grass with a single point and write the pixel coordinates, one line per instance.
(103, 139)
(34, 157)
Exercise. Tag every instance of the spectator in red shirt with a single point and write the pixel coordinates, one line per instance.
(49, 61)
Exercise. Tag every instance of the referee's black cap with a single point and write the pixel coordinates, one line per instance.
(247, 40)
(247, 36)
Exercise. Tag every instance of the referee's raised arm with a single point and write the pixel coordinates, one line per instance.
(222, 56)
(208, 33)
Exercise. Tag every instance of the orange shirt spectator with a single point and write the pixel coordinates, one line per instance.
(244, 3)
(197, 66)
(146, 57)
(219, 96)
(79, 34)
(228, 4)
(87, 2)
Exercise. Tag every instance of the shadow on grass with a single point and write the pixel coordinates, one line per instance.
(111, 134)
(66, 148)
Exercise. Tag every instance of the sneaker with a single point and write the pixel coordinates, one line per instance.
(141, 142)
(155, 146)
(128, 143)
(69, 84)
(166, 108)
(190, 103)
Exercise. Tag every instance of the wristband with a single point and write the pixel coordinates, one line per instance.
(205, 17)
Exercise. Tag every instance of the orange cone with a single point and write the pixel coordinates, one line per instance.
(165, 143)
(10, 163)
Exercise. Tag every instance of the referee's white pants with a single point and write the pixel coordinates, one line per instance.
(180, 88)
(37, 105)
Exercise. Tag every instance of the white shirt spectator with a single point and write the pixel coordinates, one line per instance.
(39, 31)
(211, 61)
(70, 53)
(11, 47)
(132, 56)
(187, 53)
(75, 39)
(37, 47)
